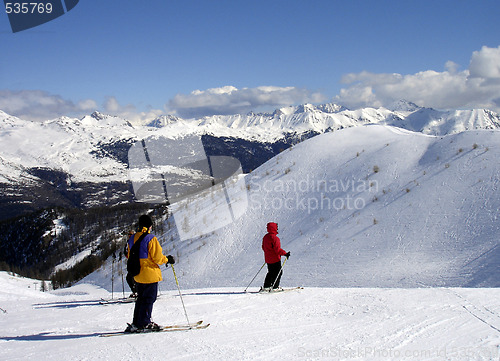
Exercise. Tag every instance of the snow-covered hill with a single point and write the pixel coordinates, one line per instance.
(372, 206)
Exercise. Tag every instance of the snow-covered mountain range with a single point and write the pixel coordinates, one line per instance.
(322, 118)
(93, 148)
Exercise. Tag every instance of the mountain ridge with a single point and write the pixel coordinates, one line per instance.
(82, 137)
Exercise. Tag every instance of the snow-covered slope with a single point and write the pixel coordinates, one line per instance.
(309, 324)
(372, 206)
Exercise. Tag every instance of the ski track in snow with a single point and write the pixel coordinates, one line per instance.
(482, 313)
(305, 324)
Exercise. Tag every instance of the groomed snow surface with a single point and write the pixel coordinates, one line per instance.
(307, 324)
(385, 277)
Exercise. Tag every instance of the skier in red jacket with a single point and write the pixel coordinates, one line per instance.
(271, 245)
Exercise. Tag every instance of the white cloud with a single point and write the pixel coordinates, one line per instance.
(485, 63)
(130, 112)
(40, 105)
(478, 86)
(231, 100)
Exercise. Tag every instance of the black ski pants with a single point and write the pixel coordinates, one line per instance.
(273, 274)
(146, 297)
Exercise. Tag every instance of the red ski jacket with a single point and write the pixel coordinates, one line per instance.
(271, 245)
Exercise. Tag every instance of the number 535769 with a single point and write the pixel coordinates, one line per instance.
(31, 8)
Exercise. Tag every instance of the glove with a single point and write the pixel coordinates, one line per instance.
(171, 259)
(287, 255)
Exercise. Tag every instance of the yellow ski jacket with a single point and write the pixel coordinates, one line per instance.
(151, 257)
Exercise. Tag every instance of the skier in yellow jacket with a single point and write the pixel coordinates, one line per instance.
(151, 257)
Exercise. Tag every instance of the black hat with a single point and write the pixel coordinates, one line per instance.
(145, 221)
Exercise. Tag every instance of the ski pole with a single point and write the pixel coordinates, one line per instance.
(255, 277)
(279, 273)
(180, 294)
(121, 272)
(113, 278)
(123, 284)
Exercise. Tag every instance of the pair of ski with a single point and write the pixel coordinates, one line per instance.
(278, 291)
(117, 300)
(171, 328)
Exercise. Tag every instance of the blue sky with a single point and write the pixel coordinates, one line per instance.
(193, 58)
